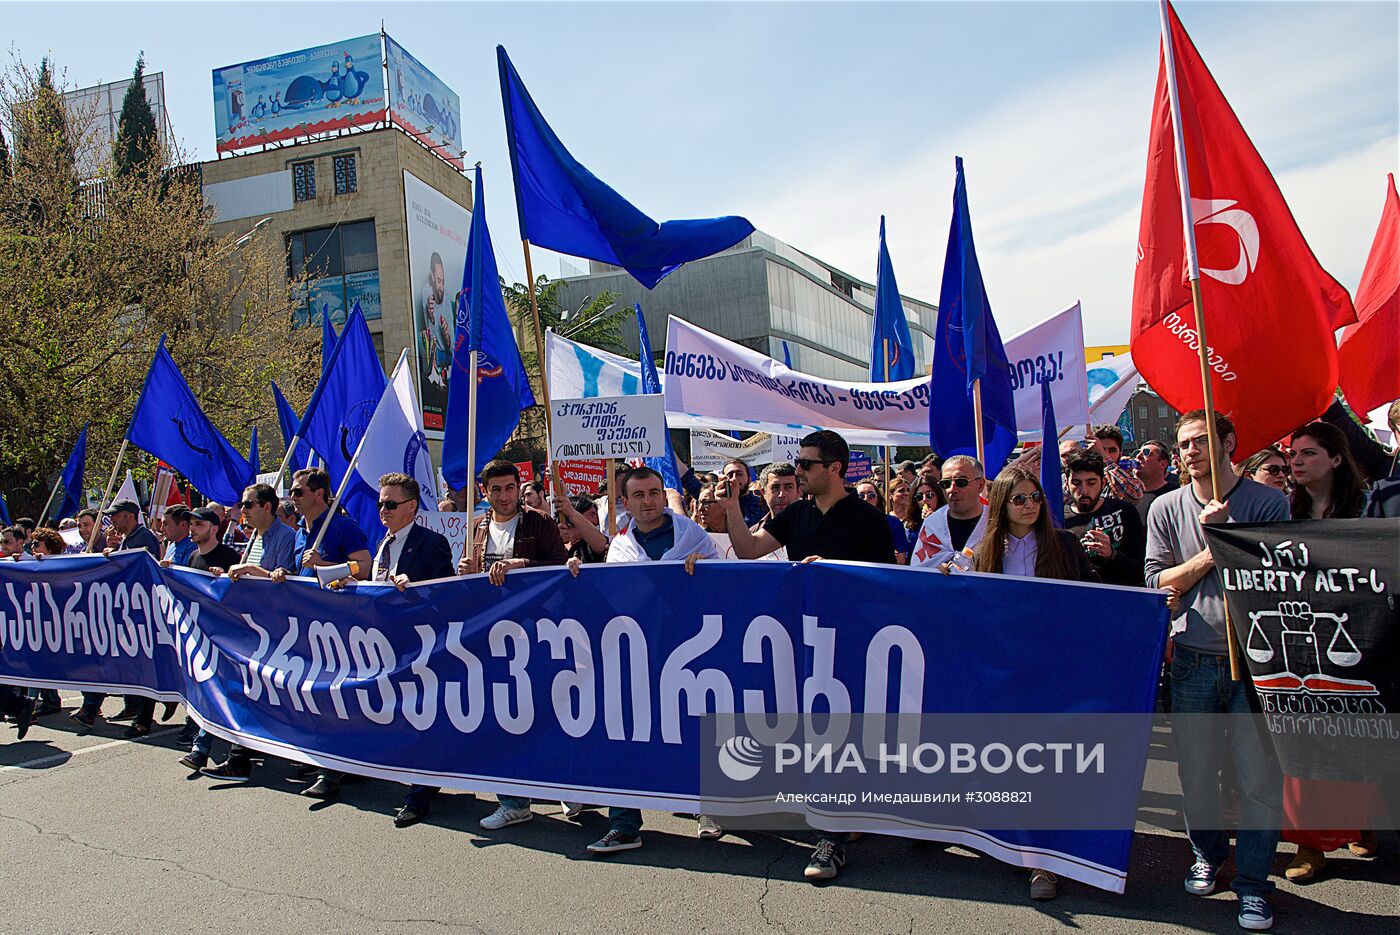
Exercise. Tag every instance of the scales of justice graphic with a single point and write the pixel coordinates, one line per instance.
(1302, 652)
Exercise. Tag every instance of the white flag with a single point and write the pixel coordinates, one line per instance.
(1112, 382)
(394, 440)
(127, 491)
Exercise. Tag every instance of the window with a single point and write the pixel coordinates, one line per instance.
(303, 181)
(1161, 410)
(341, 265)
(1142, 412)
(345, 177)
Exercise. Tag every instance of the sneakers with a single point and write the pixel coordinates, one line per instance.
(614, 841)
(1255, 914)
(1200, 879)
(230, 769)
(504, 817)
(571, 809)
(194, 762)
(707, 829)
(1043, 884)
(1305, 865)
(827, 861)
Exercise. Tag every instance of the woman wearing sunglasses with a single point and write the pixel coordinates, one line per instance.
(1268, 467)
(1021, 540)
(927, 497)
(869, 491)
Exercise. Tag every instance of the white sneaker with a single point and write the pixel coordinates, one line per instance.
(572, 809)
(503, 817)
(707, 829)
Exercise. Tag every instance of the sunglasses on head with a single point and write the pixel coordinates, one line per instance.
(392, 504)
(948, 482)
(1019, 499)
(806, 464)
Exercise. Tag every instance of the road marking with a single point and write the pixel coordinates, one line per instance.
(64, 757)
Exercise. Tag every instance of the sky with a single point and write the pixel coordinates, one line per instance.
(813, 119)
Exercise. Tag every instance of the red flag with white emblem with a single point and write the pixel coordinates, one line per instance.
(1370, 350)
(1270, 308)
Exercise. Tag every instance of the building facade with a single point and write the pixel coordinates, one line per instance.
(764, 294)
(1150, 417)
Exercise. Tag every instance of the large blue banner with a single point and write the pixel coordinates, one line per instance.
(598, 688)
(300, 93)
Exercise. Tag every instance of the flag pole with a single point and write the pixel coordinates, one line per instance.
(1194, 270)
(612, 498)
(544, 370)
(885, 344)
(52, 493)
(471, 446)
(977, 419)
(102, 504)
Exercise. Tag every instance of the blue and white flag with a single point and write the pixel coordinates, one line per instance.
(577, 371)
(72, 479)
(287, 422)
(394, 440)
(968, 348)
(503, 389)
(891, 334)
(565, 207)
(169, 424)
(651, 383)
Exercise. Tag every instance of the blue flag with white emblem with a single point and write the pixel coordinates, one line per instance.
(287, 421)
(502, 387)
(169, 424)
(968, 348)
(339, 412)
(72, 479)
(565, 207)
(1051, 478)
(891, 344)
(651, 383)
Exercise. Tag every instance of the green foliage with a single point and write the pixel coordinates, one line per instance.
(136, 144)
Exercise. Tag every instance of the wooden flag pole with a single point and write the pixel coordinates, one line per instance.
(611, 481)
(106, 495)
(555, 484)
(52, 493)
(977, 419)
(1194, 269)
(471, 453)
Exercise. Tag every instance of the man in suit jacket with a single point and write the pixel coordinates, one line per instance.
(408, 553)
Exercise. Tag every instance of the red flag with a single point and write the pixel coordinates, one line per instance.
(1270, 308)
(1370, 350)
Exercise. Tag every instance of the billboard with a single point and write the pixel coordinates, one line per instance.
(426, 108)
(297, 94)
(98, 111)
(437, 251)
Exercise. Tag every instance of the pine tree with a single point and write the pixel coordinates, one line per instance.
(135, 148)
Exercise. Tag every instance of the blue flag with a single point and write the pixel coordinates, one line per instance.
(339, 412)
(288, 421)
(787, 356)
(967, 348)
(253, 453)
(72, 479)
(891, 337)
(169, 424)
(502, 389)
(327, 337)
(5, 512)
(1051, 476)
(651, 383)
(565, 207)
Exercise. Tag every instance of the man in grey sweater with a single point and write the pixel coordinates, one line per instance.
(1178, 556)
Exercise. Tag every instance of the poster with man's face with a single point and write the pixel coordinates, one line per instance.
(437, 248)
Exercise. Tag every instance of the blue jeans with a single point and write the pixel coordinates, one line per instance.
(513, 801)
(625, 820)
(1201, 685)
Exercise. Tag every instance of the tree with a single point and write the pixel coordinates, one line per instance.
(596, 323)
(92, 275)
(137, 142)
(4, 159)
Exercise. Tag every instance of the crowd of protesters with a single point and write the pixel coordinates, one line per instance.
(1127, 521)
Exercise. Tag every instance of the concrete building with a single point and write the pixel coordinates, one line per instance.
(338, 204)
(761, 293)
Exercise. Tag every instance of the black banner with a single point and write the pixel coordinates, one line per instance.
(1313, 605)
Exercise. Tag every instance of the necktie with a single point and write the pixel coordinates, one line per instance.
(383, 574)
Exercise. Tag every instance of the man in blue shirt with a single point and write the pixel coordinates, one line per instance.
(273, 544)
(344, 541)
(175, 527)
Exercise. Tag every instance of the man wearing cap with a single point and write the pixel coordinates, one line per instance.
(126, 520)
(210, 552)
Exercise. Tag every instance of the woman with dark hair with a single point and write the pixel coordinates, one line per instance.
(1268, 466)
(927, 498)
(1328, 486)
(1328, 483)
(869, 491)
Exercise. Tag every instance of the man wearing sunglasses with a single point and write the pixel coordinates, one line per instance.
(344, 541)
(952, 533)
(273, 544)
(1154, 467)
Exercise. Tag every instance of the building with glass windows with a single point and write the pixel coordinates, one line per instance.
(338, 204)
(765, 294)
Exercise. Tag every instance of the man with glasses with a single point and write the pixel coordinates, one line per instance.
(273, 544)
(1154, 468)
(1178, 556)
(951, 533)
(344, 541)
(832, 524)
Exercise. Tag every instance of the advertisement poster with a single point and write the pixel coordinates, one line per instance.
(437, 250)
(425, 107)
(296, 94)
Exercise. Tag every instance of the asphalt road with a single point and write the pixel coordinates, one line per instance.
(103, 835)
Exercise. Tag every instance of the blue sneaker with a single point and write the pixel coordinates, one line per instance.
(1200, 879)
(1255, 914)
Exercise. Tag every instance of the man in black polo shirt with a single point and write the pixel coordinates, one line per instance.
(833, 524)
